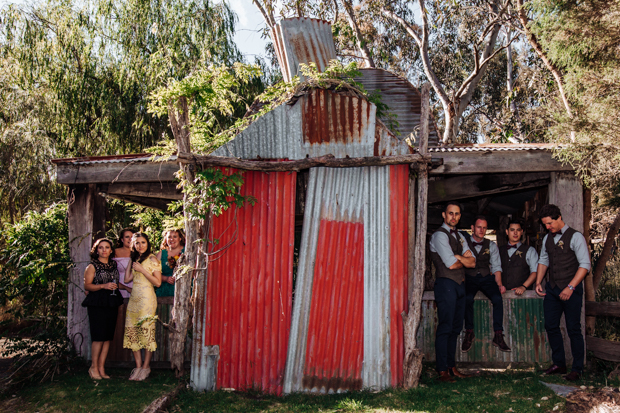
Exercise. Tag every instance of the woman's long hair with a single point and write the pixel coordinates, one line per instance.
(135, 255)
(94, 255)
(121, 235)
(164, 242)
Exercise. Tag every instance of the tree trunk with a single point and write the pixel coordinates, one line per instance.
(179, 120)
(610, 239)
(348, 7)
(412, 363)
(510, 88)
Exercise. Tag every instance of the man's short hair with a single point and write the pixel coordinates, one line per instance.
(480, 217)
(453, 203)
(517, 222)
(551, 211)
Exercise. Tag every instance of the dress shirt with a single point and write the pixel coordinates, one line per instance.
(577, 245)
(531, 257)
(441, 245)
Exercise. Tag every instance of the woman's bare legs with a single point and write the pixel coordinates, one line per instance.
(95, 350)
(102, 357)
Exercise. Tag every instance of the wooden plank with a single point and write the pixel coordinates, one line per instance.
(84, 201)
(460, 187)
(606, 309)
(603, 349)
(116, 172)
(459, 163)
(155, 203)
(160, 190)
(329, 161)
(566, 191)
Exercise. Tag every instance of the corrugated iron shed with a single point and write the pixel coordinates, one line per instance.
(402, 98)
(302, 40)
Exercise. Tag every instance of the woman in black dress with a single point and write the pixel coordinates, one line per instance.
(102, 301)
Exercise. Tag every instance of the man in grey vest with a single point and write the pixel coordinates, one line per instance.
(485, 277)
(566, 259)
(450, 254)
(519, 261)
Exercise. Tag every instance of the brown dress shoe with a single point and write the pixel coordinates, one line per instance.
(498, 341)
(555, 370)
(458, 374)
(468, 340)
(445, 377)
(572, 376)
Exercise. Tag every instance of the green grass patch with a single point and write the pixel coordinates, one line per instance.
(489, 392)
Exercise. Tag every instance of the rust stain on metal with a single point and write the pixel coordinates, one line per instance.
(329, 117)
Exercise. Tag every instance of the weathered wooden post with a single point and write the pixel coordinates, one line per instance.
(411, 322)
(86, 215)
(179, 121)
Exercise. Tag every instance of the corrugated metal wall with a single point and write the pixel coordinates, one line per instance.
(524, 331)
(249, 287)
(320, 123)
(351, 282)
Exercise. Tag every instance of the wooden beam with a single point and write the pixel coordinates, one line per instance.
(160, 190)
(155, 203)
(460, 187)
(329, 161)
(607, 309)
(604, 349)
(459, 163)
(84, 221)
(110, 172)
(566, 191)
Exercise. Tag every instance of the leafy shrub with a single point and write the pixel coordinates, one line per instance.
(35, 267)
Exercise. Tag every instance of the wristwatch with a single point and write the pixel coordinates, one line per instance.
(570, 287)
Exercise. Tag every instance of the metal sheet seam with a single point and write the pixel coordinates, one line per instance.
(296, 355)
(376, 370)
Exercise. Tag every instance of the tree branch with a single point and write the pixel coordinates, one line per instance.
(555, 71)
(348, 8)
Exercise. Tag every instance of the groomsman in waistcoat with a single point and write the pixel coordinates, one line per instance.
(519, 261)
(566, 260)
(486, 276)
(451, 255)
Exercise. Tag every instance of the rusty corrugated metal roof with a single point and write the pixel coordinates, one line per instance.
(302, 40)
(402, 98)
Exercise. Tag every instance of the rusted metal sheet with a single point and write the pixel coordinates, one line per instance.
(348, 255)
(320, 123)
(402, 98)
(249, 284)
(399, 196)
(302, 40)
(524, 331)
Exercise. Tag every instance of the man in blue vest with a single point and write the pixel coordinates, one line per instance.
(451, 255)
(485, 277)
(566, 259)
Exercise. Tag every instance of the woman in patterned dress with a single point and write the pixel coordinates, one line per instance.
(100, 282)
(145, 272)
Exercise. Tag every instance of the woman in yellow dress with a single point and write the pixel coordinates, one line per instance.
(145, 271)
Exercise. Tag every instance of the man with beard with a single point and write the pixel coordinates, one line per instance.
(566, 257)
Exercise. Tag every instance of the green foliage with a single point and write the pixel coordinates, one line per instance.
(35, 266)
(212, 192)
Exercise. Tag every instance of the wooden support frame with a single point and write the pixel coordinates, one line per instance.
(86, 222)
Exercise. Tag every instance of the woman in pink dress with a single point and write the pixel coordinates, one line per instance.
(122, 253)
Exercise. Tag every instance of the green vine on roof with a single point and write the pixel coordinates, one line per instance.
(212, 93)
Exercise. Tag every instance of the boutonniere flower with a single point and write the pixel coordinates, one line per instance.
(519, 253)
(461, 241)
(561, 244)
(487, 251)
(172, 261)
